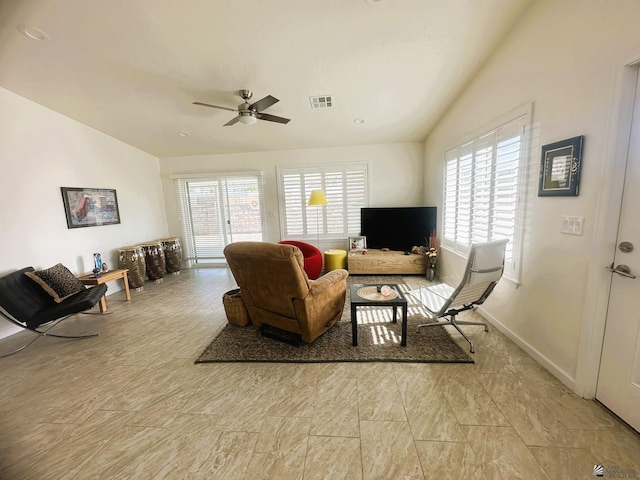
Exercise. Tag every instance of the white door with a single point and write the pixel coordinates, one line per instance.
(619, 378)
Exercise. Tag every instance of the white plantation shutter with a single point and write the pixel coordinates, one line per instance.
(356, 183)
(483, 179)
(293, 196)
(450, 200)
(345, 187)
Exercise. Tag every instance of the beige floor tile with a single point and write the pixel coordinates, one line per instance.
(152, 452)
(580, 414)
(415, 382)
(121, 450)
(432, 419)
(226, 455)
(619, 446)
(449, 461)
(470, 403)
(280, 450)
(335, 407)
(246, 415)
(280, 433)
(566, 463)
(543, 384)
(429, 414)
(292, 400)
(150, 387)
(335, 458)
(132, 404)
(215, 393)
(28, 446)
(378, 394)
(72, 454)
(502, 454)
(531, 419)
(280, 465)
(388, 451)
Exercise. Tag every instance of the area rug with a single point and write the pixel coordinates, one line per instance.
(378, 339)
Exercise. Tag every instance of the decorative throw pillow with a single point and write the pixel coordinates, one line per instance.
(57, 281)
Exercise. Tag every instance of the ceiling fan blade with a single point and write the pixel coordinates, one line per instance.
(264, 103)
(215, 106)
(233, 121)
(272, 118)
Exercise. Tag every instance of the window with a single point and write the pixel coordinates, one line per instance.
(345, 187)
(217, 210)
(484, 180)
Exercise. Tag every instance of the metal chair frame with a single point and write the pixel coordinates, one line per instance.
(39, 333)
(477, 283)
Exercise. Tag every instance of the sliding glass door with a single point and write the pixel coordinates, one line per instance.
(216, 211)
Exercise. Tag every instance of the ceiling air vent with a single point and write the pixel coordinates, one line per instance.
(322, 101)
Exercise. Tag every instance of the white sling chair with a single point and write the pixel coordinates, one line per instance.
(484, 268)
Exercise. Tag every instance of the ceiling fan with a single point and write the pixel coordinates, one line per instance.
(250, 114)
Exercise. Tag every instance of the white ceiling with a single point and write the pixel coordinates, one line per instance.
(132, 68)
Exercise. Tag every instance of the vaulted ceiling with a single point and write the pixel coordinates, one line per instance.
(133, 68)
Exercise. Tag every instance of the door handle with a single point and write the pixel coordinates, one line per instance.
(623, 270)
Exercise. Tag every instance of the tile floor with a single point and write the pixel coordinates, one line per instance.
(132, 404)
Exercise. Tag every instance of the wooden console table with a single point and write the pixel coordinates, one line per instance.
(378, 262)
(92, 279)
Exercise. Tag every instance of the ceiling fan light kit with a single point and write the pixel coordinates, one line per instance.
(248, 118)
(250, 114)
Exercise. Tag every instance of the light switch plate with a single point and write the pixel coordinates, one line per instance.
(572, 225)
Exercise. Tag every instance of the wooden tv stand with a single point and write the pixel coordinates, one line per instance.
(377, 262)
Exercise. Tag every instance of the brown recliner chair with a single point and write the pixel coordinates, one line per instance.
(278, 292)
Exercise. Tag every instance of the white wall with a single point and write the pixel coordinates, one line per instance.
(41, 151)
(565, 57)
(396, 172)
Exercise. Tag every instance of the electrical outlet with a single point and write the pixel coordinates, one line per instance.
(572, 225)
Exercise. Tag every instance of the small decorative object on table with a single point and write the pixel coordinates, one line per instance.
(385, 290)
(105, 268)
(97, 263)
(432, 256)
(357, 244)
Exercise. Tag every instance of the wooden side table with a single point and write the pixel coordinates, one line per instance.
(93, 279)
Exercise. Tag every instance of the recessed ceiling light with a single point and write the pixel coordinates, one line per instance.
(32, 32)
(183, 134)
(358, 121)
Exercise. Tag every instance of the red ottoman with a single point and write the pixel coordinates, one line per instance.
(312, 257)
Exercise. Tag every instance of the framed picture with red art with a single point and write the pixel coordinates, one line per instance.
(90, 207)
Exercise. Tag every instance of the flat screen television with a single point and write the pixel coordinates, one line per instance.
(397, 228)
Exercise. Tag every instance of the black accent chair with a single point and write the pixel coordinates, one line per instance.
(28, 306)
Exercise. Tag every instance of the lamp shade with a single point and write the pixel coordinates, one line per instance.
(317, 198)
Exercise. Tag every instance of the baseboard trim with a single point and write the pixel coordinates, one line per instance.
(554, 369)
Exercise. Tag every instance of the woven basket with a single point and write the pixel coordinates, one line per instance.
(235, 308)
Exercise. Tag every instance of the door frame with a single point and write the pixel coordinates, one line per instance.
(613, 168)
(179, 180)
